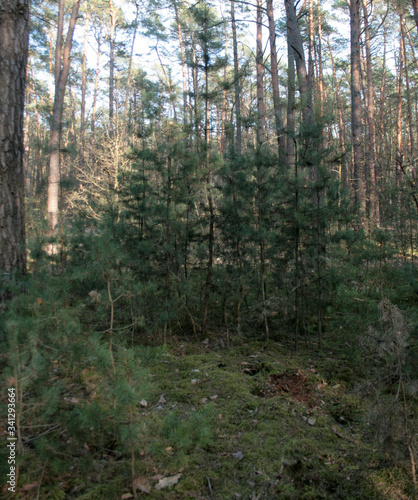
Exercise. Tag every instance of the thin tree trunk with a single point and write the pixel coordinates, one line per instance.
(14, 37)
(311, 33)
(96, 86)
(196, 93)
(381, 135)
(83, 90)
(320, 68)
(237, 88)
(371, 152)
(260, 73)
(26, 142)
(343, 174)
(290, 126)
(183, 62)
(408, 103)
(356, 122)
(275, 84)
(112, 27)
(224, 103)
(261, 138)
(295, 41)
(208, 284)
(399, 138)
(128, 81)
(55, 130)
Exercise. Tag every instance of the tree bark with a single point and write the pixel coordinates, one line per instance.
(96, 87)
(237, 89)
(356, 122)
(112, 28)
(399, 137)
(371, 153)
(343, 174)
(275, 84)
(295, 42)
(290, 125)
(128, 81)
(55, 130)
(14, 36)
(183, 61)
(260, 73)
(415, 7)
(83, 90)
(321, 95)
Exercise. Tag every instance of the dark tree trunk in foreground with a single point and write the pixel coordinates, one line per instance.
(14, 32)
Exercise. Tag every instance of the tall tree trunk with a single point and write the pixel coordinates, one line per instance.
(321, 95)
(211, 241)
(381, 122)
(196, 93)
(112, 27)
(261, 138)
(371, 152)
(399, 137)
(83, 90)
(14, 36)
(55, 130)
(275, 84)
(311, 35)
(408, 103)
(260, 73)
(183, 61)
(95, 92)
(290, 126)
(237, 89)
(295, 41)
(224, 102)
(343, 174)
(356, 122)
(128, 81)
(26, 143)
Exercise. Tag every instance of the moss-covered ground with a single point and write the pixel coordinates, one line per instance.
(251, 421)
(259, 422)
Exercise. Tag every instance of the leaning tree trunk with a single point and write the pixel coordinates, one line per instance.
(14, 36)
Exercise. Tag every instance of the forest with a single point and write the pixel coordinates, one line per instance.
(208, 249)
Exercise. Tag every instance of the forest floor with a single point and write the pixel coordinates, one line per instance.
(255, 421)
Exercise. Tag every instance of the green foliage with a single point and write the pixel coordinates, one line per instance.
(185, 433)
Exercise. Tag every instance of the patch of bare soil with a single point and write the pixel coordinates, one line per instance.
(293, 383)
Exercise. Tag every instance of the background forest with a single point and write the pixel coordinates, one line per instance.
(217, 191)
